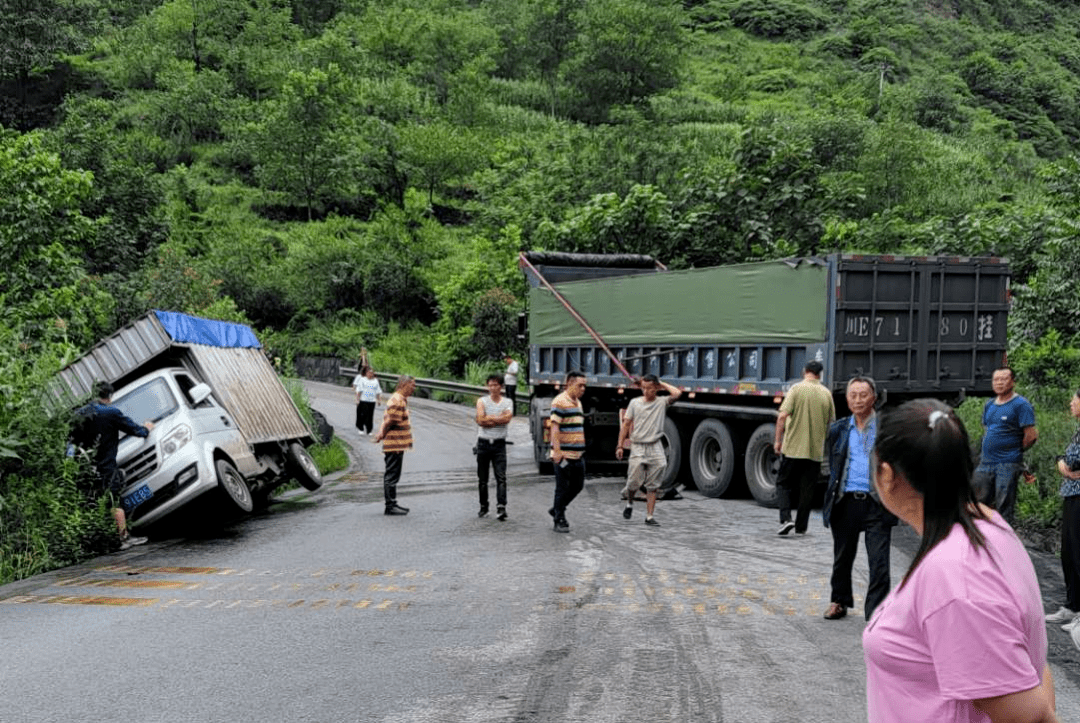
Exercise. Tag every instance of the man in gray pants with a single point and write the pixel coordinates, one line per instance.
(643, 425)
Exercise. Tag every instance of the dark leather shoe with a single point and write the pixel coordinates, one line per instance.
(561, 525)
(835, 612)
(483, 512)
(395, 510)
(627, 512)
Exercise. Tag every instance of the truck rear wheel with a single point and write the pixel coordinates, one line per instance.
(712, 457)
(762, 465)
(233, 486)
(303, 467)
(671, 441)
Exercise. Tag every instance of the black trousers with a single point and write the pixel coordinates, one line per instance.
(853, 513)
(491, 453)
(1070, 551)
(365, 413)
(795, 488)
(391, 476)
(511, 394)
(569, 481)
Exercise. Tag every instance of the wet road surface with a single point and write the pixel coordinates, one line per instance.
(324, 609)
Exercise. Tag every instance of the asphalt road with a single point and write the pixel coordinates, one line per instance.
(323, 609)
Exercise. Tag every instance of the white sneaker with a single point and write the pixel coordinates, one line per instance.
(130, 541)
(1072, 624)
(1063, 615)
(1075, 635)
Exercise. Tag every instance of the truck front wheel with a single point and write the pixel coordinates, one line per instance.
(762, 465)
(233, 486)
(712, 457)
(303, 467)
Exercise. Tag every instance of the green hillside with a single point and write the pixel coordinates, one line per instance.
(351, 174)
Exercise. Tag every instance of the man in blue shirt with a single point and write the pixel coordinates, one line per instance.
(106, 422)
(1009, 429)
(852, 504)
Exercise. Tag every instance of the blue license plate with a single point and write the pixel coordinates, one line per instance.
(136, 498)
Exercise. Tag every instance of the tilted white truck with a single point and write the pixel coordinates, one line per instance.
(223, 421)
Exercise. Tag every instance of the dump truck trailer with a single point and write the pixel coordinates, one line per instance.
(223, 421)
(736, 338)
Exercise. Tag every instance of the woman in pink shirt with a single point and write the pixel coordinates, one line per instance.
(962, 637)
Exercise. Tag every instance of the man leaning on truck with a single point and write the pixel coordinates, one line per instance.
(805, 416)
(107, 422)
(396, 437)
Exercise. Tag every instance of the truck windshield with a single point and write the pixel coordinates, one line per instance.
(152, 401)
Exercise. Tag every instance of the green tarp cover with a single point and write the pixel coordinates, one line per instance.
(768, 302)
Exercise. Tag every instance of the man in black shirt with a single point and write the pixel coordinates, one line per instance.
(105, 422)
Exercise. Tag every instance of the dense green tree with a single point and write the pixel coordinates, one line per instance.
(438, 152)
(127, 193)
(309, 146)
(35, 34)
(624, 52)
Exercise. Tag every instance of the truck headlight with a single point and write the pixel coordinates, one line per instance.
(175, 440)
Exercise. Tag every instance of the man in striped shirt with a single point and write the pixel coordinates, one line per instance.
(567, 447)
(396, 437)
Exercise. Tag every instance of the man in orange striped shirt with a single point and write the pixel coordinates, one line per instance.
(396, 437)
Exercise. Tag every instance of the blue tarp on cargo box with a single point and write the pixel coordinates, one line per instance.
(193, 330)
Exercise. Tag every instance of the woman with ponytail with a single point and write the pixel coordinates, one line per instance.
(962, 637)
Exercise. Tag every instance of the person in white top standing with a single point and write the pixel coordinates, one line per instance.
(368, 394)
(510, 380)
(493, 414)
(643, 424)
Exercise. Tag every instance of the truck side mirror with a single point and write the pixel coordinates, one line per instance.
(199, 393)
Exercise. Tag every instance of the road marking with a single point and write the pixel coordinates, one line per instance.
(80, 600)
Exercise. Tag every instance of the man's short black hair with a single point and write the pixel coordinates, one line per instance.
(650, 378)
(104, 390)
(570, 376)
(494, 378)
(814, 367)
(1010, 370)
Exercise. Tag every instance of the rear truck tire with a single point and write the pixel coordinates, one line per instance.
(303, 467)
(762, 465)
(712, 457)
(671, 441)
(234, 487)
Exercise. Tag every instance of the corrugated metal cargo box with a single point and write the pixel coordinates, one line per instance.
(917, 324)
(241, 377)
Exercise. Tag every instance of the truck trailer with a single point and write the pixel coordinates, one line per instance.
(736, 338)
(223, 421)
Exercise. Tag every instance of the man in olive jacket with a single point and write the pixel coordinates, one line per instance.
(852, 504)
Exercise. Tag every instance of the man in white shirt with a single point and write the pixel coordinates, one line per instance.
(493, 413)
(643, 425)
(510, 381)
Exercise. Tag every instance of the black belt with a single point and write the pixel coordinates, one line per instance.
(858, 495)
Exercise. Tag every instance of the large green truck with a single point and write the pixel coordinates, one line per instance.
(735, 339)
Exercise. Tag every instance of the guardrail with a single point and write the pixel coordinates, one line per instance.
(438, 385)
